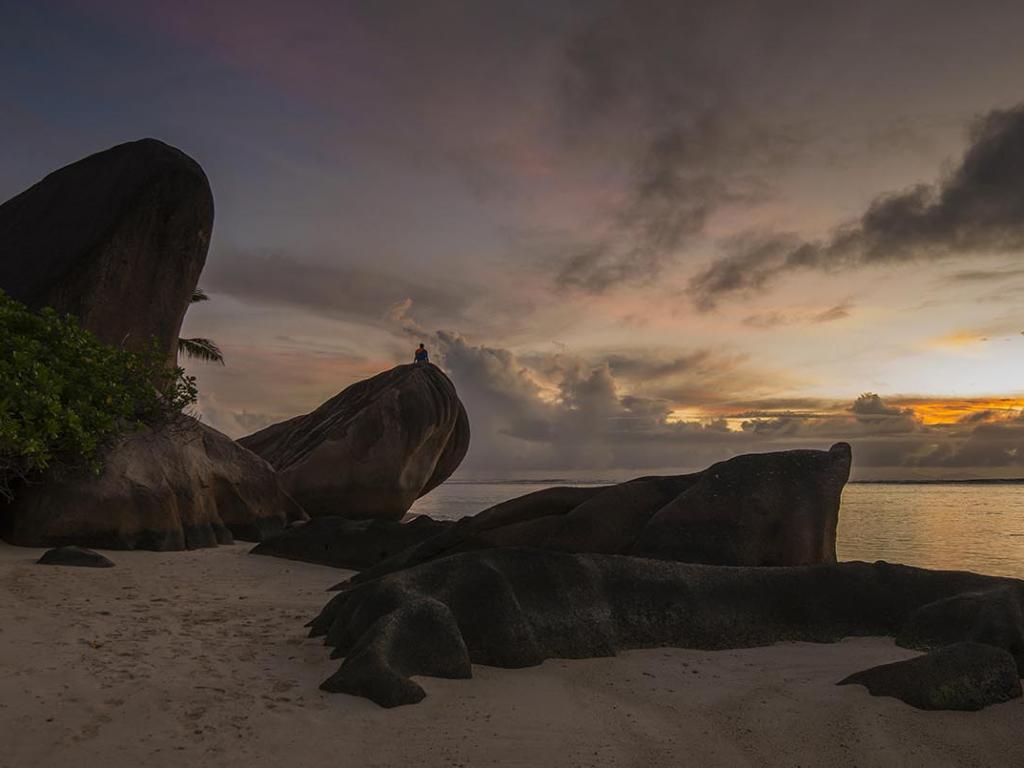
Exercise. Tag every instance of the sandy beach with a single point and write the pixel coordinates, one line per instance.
(201, 658)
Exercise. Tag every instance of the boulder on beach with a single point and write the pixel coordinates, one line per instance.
(962, 676)
(350, 544)
(75, 556)
(993, 616)
(180, 486)
(516, 607)
(117, 239)
(373, 449)
(766, 509)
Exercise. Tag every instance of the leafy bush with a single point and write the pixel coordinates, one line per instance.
(64, 395)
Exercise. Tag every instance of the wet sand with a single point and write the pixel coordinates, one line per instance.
(201, 658)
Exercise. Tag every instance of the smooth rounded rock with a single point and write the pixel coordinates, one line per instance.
(76, 556)
(117, 239)
(762, 509)
(515, 607)
(181, 486)
(374, 448)
(963, 676)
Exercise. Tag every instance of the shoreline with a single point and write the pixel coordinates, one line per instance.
(201, 656)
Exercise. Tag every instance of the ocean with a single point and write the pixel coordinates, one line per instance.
(959, 526)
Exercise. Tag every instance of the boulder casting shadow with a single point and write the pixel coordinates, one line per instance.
(181, 486)
(75, 556)
(517, 607)
(373, 449)
(779, 508)
(964, 676)
(117, 239)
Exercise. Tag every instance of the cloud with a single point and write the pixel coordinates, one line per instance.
(399, 314)
(334, 288)
(976, 209)
(643, 84)
(830, 315)
(984, 275)
(776, 319)
(229, 421)
(569, 413)
(990, 445)
(870, 404)
(680, 179)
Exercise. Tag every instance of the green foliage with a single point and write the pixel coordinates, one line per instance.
(64, 395)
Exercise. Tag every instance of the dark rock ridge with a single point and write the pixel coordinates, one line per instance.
(181, 486)
(76, 556)
(517, 607)
(963, 676)
(373, 449)
(117, 239)
(777, 508)
(344, 543)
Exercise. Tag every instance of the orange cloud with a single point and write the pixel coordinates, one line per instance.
(952, 411)
(957, 340)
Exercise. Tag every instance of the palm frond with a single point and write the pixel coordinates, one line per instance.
(201, 349)
(199, 295)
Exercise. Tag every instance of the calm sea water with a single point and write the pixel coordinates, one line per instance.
(953, 526)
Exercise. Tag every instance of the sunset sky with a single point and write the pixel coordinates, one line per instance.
(636, 234)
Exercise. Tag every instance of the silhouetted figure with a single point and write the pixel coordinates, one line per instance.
(421, 355)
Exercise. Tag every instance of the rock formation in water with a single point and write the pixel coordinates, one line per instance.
(963, 676)
(117, 239)
(350, 544)
(760, 509)
(181, 486)
(75, 556)
(517, 607)
(373, 449)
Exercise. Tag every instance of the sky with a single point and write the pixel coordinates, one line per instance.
(637, 235)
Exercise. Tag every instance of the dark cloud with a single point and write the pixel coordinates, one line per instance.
(775, 319)
(768, 320)
(325, 288)
(569, 413)
(977, 417)
(637, 367)
(871, 405)
(983, 275)
(987, 445)
(370, 294)
(976, 209)
(838, 312)
(674, 189)
(645, 83)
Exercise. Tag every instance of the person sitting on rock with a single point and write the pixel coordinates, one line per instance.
(421, 355)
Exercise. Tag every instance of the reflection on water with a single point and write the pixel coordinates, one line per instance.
(954, 526)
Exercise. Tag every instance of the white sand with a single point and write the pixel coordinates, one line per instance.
(200, 659)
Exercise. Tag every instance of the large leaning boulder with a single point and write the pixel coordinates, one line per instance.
(517, 607)
(117, 239)
(181, 486)
(761, 509)
(373, 449)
